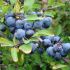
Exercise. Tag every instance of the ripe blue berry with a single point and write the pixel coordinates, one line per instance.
(37, 25)
(12, 29)
(57, 56)
(56, 39)
(47, 42)
(66, 47)
(63, 54)
(27, 25)
(57, 47)
(40, 50)
(49, 37)
(19, 34)
(29, 33)
(34, 46)
(47, 22)
(50, 51)
(19, 24)
(2, 27)
(10, 21)
(11, 14)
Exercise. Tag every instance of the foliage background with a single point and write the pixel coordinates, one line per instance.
(59, 11)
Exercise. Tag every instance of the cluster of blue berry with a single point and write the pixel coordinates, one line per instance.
(20, 28)
(53, 45)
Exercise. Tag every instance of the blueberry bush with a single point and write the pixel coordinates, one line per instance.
(34, 35)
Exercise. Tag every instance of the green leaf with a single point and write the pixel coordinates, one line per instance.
(44, 57)
(65, 68)
(60, 1)
(15, 41)
(13, 1)
(17, 7)
(5, 8)
(10, 67)
(50, 2)
(28, 4)
(58, 29)
(26, 48)
(36, 6)
(33, 17)
(69, 37)
(44, 32)
(21, 58)
(1, 2)
(14, 54)
(58, 5)
(2, 19)
(30, 40)
(21, 68)
(59, 66)
(36, 59)
(50, 13)
(28, 67)
(6, 42)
